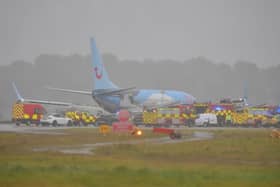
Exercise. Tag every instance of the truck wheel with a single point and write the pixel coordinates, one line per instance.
(77, 123)
(178, 135)
(28, 123)
(175, 135)
(205, 124)
(54, 123)
(259, 124)
(17, 123)
(69, 123)
(172, 136)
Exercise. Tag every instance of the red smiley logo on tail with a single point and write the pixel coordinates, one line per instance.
(98, 75)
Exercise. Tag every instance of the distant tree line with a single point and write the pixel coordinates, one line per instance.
(204, 79)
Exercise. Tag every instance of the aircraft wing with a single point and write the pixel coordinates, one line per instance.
(48, 102)
(21, 99)
(70, 91)
(165, 105)
(92, 109)
(115, 92)
(82, 107)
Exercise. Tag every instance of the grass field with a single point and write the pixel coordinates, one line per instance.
(232, 158)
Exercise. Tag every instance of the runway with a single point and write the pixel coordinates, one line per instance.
(33, 129)
(199, 134)
(88, 149)
(53, 130)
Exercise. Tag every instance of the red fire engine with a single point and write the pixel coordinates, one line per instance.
(27, 113)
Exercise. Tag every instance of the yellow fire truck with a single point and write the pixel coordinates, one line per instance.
(81, 118)
(167, 117)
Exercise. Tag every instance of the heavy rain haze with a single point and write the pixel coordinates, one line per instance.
(223, 31)
(206, 80)
(210, 49)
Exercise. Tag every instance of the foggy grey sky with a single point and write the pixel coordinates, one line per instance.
(223, 31)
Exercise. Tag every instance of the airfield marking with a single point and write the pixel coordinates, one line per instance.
(87, 148)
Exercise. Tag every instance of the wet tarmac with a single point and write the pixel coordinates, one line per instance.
(88, 149)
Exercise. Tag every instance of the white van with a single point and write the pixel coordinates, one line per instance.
(206, 119)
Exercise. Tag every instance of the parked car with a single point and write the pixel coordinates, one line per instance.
(56, 120)
(206, 119)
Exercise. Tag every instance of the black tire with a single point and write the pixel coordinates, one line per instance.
(259, 124)
(28, 123)
(190, 123)
(175, 136)
(178, 135)
(77, 123)
(54, 123)
(17, 123)
(167, 125)
(148, 125)
(172, 136)
(205, 124)
(69, 123)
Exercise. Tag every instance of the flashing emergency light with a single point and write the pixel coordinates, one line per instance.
(139, 133)
(218, 108)
(278, 110)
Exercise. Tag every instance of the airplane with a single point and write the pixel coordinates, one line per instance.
(113, 98)
(95, 110)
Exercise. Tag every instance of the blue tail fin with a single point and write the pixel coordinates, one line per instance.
(19, 98)
(100, 76)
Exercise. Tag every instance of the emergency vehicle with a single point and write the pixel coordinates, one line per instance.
(168, 116)
(206, 119)
(27, 113)
(222, 111)
(263, 115)
(276, 110)
(255, 117)
(81, 118)
(200, 108)
(243, 118)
